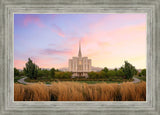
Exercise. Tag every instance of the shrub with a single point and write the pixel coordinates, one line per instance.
(63, 75)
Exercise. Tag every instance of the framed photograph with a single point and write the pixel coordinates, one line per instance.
(80, 57)
(51, 64)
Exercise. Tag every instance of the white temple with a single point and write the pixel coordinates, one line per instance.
(80, 66)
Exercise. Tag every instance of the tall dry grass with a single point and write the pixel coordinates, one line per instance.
(73, 91)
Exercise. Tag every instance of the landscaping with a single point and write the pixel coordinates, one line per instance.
(35, 74)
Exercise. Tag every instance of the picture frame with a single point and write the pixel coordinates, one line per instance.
(7, 104)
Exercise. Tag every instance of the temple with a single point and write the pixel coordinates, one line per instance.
(80, 66)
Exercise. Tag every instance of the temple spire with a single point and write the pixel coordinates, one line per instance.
(79, 53)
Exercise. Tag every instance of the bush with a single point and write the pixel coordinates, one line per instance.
(120, 73)
(111, 73)
(63, 75)
(43, 73)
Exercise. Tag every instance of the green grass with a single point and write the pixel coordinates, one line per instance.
(88, 82)
(94, 82)
(48, 80)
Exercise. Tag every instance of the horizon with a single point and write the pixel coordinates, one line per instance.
(50, 40)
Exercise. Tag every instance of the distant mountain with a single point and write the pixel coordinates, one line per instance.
(63, 69)
(96, 68)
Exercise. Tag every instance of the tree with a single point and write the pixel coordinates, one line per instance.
(62, 75)
(143, 72)
(31, 69)
(16, 72)
(120, 73)
(40, 73)
(111, 73)
(105, 69)
(101, 74)
(116, 71)
(52, 72)
(129, 70)
(57, 70)
(92, 75)
(21, 73)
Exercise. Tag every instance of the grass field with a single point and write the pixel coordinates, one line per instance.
(75, 91)
(88, 82)
(80, 80)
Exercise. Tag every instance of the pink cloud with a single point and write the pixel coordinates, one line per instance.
(33, 19)
(49, 62)
(56, 52)
(58, 30)
(105, 46)
(19, 64)
(111, 48)
(119, 20)
(42, 62)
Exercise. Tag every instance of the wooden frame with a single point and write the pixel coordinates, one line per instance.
(7, 10)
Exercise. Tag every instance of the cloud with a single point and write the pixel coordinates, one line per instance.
(113, 21)
(103, 44)
(111, 47)
(55, 51)
(29, 19)
(19, 64)
(108, 42)
(58, 30)
(52, 44)
(49, 61)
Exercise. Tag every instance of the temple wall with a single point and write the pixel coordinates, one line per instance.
(79, 65)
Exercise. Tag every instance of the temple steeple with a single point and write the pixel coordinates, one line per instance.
(79, 53)
(79, 66)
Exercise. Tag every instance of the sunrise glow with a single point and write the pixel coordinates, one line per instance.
(108, 39)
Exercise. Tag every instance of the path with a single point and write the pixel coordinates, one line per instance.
(23, 82)
(136, 80)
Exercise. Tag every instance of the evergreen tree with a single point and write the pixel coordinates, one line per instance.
(31, 69)
(129, 70)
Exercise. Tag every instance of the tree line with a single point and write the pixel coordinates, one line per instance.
(31, 70)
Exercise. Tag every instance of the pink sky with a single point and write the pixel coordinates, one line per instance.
(107, 39)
